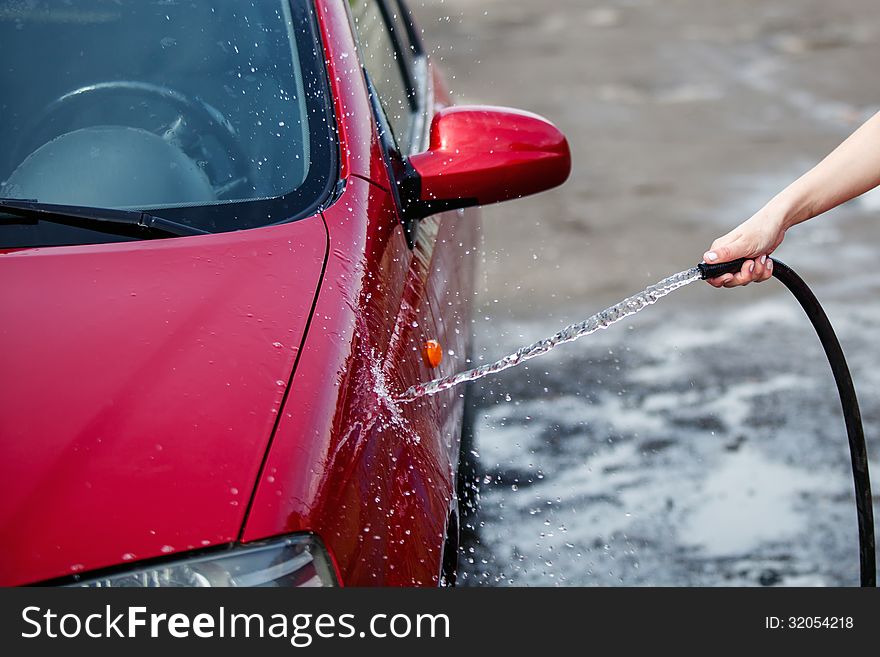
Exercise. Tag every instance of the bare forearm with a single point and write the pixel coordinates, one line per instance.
(850, 170)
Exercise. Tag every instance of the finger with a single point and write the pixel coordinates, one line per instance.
(720, 280)
(760, 272)
(766, 269)
(743, 276)
(725, 251)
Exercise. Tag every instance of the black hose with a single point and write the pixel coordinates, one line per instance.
(848, 401)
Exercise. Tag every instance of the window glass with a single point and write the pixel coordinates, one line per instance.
(385, 68)
(400, 18)
(205, 107)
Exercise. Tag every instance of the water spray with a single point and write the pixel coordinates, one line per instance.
(814, 311)
(601, 320)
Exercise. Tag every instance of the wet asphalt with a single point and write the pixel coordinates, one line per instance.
(700, 443)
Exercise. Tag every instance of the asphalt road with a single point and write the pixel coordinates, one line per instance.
(700, 443)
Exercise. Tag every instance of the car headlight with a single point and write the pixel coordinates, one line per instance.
(299, 560)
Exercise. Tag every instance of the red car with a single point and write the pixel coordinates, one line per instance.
(227, 229)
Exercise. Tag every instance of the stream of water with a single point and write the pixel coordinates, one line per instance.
(600, 320)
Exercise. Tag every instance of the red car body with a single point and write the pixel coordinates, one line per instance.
(178, 395)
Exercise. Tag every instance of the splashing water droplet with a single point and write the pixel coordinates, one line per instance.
(600, 320)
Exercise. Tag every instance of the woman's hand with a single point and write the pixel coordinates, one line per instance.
(850, 170)
(754, 239)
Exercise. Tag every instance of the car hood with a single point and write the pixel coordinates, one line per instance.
(141, 382)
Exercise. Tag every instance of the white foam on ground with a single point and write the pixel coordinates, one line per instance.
(747, 500)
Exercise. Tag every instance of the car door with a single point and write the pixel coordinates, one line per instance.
(410, 89)
(436, 305)
(451, 238)
(424, 470)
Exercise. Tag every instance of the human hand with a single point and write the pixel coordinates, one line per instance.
(754, 239)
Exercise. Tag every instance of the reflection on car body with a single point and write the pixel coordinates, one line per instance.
(203, 410)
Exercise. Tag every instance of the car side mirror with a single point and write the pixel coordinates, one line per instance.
(480, 155)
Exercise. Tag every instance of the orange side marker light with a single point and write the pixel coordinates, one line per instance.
(433, 353)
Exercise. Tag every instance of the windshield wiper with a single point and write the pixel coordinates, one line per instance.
(107, 219)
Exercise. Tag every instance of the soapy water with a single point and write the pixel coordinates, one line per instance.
(601, 320)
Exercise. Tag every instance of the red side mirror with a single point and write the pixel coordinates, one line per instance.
(480, 155)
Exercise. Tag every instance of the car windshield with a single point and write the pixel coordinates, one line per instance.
(209, 112)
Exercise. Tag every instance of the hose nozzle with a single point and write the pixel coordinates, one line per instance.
(719, 269)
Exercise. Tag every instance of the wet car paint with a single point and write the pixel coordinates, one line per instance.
(375, 482)
(145, 381)
(494, 152)
(140, 385)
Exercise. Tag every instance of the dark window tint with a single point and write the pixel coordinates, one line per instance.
(214, 114)
(385, 67)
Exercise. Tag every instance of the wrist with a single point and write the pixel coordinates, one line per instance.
(784, 211)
